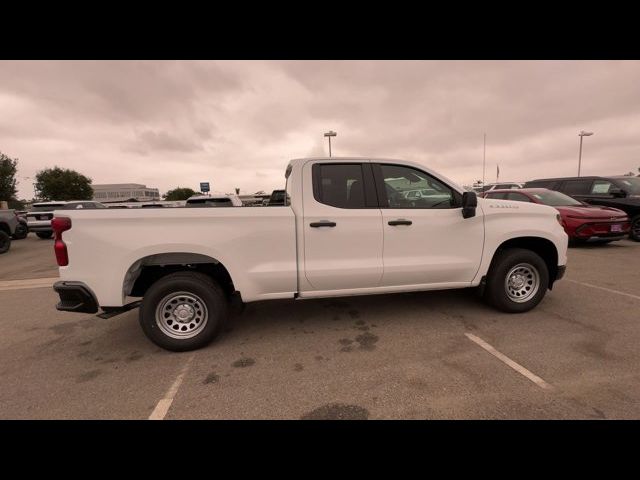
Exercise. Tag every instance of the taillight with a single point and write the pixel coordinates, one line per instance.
(59, 225)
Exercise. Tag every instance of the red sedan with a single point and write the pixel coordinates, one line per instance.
(580, 220)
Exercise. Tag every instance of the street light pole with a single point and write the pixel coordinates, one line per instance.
(582, 134)
(484, 158)
(330, 134)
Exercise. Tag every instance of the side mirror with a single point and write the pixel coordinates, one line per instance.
(617, 192)
(469, 204)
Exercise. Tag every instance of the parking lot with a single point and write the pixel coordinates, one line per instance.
(435, 355)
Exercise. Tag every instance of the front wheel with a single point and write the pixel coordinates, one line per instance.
(183, 311)
(517, 280)
(44, 235)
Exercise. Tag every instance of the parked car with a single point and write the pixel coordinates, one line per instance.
(8, 224)
(620, 192)
(497, 186)
(214, 200)
(39, 218)
(344, 232)
(580, 220)
(277, 198)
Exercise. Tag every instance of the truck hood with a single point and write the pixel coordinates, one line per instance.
(491, 207)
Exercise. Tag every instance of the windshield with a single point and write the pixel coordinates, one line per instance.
(47, 208)
(555, 199)
(630, 185)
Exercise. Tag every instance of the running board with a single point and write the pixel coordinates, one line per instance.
(109, 312)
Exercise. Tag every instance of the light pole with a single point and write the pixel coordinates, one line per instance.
(330, 134)
(582, 134)
(484, 158)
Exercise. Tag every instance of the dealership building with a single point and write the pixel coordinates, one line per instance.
(122, 192)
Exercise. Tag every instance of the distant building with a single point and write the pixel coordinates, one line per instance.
(122, 192)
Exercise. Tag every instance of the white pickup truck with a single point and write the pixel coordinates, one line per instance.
(346, 228)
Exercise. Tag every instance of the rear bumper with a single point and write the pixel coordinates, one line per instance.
(75, 297)
(39, 226)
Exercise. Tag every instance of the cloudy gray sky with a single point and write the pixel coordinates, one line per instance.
(237, 123)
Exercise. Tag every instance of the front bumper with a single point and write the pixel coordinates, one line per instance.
(603, 230)
(562, 269)
(75, 297)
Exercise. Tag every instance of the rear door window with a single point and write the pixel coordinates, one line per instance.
(601, 187)
(343, 185)
(577, 187)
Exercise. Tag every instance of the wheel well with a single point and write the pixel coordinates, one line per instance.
(543, 247)
(146, 271)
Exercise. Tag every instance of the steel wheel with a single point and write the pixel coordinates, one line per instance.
(181, 315)
(522, 282)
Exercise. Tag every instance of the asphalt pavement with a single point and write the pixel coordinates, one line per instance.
(433, 355)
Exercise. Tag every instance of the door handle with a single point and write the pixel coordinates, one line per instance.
(400, 221)
(322, 223)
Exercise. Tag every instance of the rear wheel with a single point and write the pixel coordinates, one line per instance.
(5, 242)
(44, 235)
(634, 233)
(21, 232)
(517, 280)
(183, 311)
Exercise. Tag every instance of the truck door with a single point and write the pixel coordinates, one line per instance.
(342, 226)
(426, 240)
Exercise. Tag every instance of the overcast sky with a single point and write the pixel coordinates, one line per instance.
(237, 123)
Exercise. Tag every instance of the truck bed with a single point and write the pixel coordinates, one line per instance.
(257, 244)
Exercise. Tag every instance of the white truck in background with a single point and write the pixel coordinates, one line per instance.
(347, 228)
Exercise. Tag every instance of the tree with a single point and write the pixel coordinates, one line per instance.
(63, 184)
(179, 193)
(16, 204)
(8, 169)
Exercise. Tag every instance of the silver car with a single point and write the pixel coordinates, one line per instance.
(39, 218)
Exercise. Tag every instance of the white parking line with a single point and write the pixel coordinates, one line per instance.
(29, 283)
(516, 366)
(162, 408)
(605, 289)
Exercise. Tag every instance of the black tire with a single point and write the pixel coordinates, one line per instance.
(193, 285)
(21, 232)
(577, 242)
(496, 287)
(44, 235)
(5, 242)
(634, 232)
